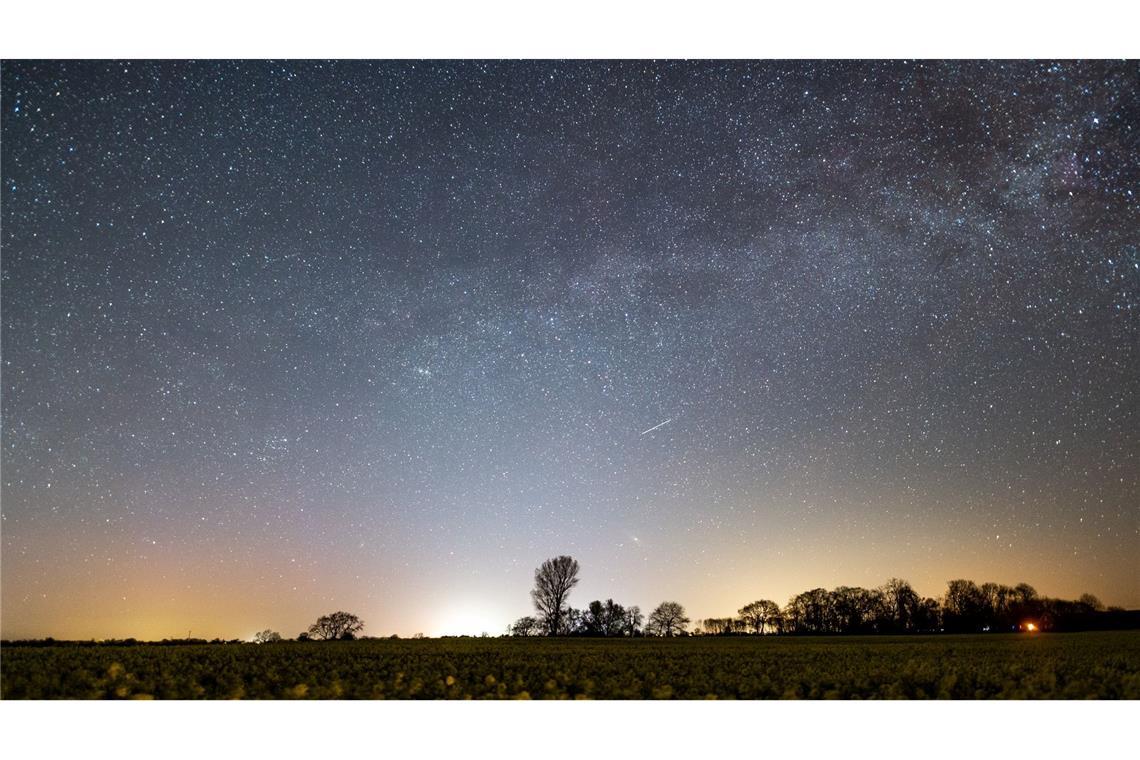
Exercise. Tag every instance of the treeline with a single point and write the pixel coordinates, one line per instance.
(129, 642)
(553, 581)
(893, 608)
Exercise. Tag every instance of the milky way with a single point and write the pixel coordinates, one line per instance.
(283, 338)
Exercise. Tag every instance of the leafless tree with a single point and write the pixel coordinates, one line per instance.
(722, 626)
(525, 626)
(901, 604)
(552, 584)
(1091, 602)
(667, 620)
(337, 625)
(759, 614)
(633, 621)
(266, 637)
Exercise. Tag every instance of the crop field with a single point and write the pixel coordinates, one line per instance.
(1006, 666)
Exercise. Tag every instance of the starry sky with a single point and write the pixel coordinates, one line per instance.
(281, 338)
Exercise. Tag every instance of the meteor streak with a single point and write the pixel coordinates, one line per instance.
(650, 430)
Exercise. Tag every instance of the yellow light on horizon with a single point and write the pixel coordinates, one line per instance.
(1031, 627)
(468, 619)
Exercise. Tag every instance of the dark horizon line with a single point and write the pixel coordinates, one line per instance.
(1129, 616)
(1131, 620)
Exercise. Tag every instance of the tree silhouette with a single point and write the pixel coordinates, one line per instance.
(631, 625)
(606, 619)
(759, 614)
(964, 607)
(929, 615)
(667, 620)
(1026, 594)
(526, 626)
(855, 609)
(1091, 602)
(574, 622)
(266, 637)
(337, 625)
(810, 612)
(901, 605)
(723, 626)
(894, 607)
(552, 584)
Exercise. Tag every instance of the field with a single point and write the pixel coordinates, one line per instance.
(1007, 666)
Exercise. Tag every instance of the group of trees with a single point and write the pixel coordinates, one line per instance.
(894, 607)
(336, 626)
(600, 618)
(553, 581)
(993, 606)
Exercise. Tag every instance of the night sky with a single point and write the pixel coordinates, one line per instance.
(286, 338)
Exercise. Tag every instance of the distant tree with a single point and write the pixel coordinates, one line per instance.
(573, 622)
(775, 623)
(613, 618)
(900, 603)
(1002, 601)
(1024, 605)
(593, 619)
(795, 615)
(526, 626)
(667, 620)
(304, 636)
(759, 614)
(725, 626)
(631, 624)
(998, 602)
(928, 616)
(603, 619)
(1091, 602)
(335, 626)
(266, 637)
(854, 609)
(964, 607)
(552, 584)
(810, 612)
(1025, 594)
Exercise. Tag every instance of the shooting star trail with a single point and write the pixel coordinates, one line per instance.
(650, 430)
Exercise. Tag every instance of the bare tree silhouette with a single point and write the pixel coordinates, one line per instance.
(759, 614)
(633, 621)
(337, 625)
(552, 584)
(526, 626)
(667, 620)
